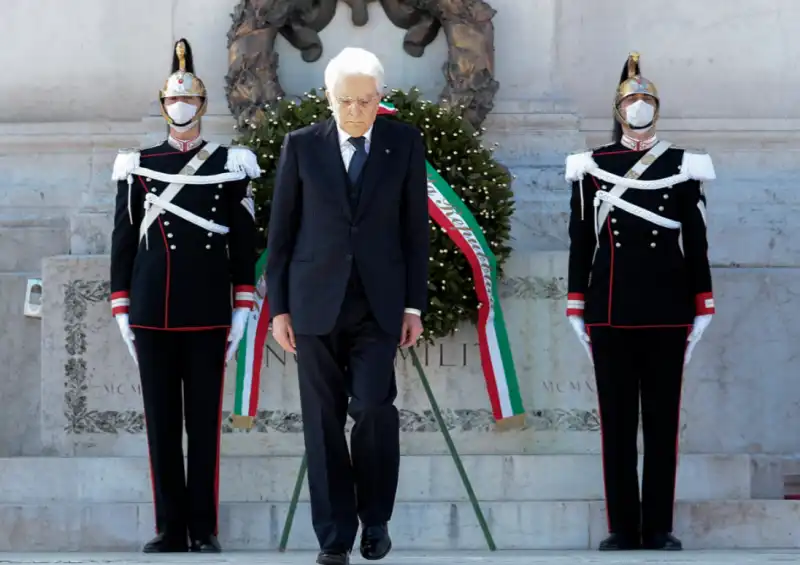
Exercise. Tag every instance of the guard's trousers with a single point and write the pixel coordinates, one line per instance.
(634, 364)
(349, 371)
(183, 372)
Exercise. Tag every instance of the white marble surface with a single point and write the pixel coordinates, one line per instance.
(549, 54)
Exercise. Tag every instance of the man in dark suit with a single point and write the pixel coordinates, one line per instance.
(347, 281)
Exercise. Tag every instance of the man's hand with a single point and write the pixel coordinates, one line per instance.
(580, 330)
(127, 335)
(412, 329)
(283, 333)
(238, 325)
(698, 329)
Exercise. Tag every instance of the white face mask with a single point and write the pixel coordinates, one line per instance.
(181, 112)
(639, 114)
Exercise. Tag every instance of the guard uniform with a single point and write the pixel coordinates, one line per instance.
(639, 275)
(182, 257)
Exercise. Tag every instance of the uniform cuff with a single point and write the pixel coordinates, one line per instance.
(704, 304)
(244, 296)
(575, 304)
(413, 311)
(120, 302)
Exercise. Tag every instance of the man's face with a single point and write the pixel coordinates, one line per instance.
(195, 101)
(635, 98)
(355, 104)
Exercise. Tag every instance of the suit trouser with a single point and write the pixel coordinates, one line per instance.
(355, 360)
(629, 365)
(183, 370)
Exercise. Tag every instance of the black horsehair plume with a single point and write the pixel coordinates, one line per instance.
(629, 70)
(188, 60)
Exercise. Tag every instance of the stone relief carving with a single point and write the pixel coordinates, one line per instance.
(81, 418)
(252, 79)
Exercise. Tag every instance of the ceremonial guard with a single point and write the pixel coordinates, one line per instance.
(640, 298)
(182, 283)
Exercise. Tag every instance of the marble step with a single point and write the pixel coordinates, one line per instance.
(415, 525)
(423, 478)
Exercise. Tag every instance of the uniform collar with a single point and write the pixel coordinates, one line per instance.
(184, 146)
(344, 137)
(638, 145)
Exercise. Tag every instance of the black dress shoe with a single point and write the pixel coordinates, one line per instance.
(663, 541)
(375, 542)
(206, 544)
(620, 542)
(164, 543)
(333, 558)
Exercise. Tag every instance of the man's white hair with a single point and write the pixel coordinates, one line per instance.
(353, 61)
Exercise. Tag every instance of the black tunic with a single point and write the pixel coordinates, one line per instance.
(639, 276)
(183, 277)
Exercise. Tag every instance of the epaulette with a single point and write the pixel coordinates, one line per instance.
(149, 147)
(242, 160)
(127, 160)
(697, 164)
(577, 164)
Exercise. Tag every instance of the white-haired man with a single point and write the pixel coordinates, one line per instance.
(347, 282)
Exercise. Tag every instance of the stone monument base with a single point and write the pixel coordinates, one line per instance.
(540, 487)
(530, 502)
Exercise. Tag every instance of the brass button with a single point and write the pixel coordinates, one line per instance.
(172, 247)
(166, 222)
(210, 234)
(660, 208)
(169, 235)
(208, 247)
(618, 244)
(666, 196)
(613, 220)
(655, 232)
(213, 209)
(653, 244)
(616, 232)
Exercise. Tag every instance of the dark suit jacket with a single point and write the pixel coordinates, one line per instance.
(315, 237)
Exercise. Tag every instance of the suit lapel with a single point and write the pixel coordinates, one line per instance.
(331, 158)
(378, 163)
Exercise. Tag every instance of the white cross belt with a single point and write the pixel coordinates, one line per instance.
(637, 211)
(208, 225)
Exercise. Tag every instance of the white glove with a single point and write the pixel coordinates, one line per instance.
(238, 324)
(580, 331)
(699, 326)
(127, 335)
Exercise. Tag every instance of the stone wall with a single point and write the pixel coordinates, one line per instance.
(68, 108)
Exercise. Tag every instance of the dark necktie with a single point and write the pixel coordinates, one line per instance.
(358, 160)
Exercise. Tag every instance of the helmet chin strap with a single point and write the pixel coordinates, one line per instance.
(184, 127)
(640, 128)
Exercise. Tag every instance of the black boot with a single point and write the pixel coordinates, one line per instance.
(620, 542)
(664, 541)
(206, 544)
(166, 543)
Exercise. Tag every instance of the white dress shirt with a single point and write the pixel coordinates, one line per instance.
(348, 151)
